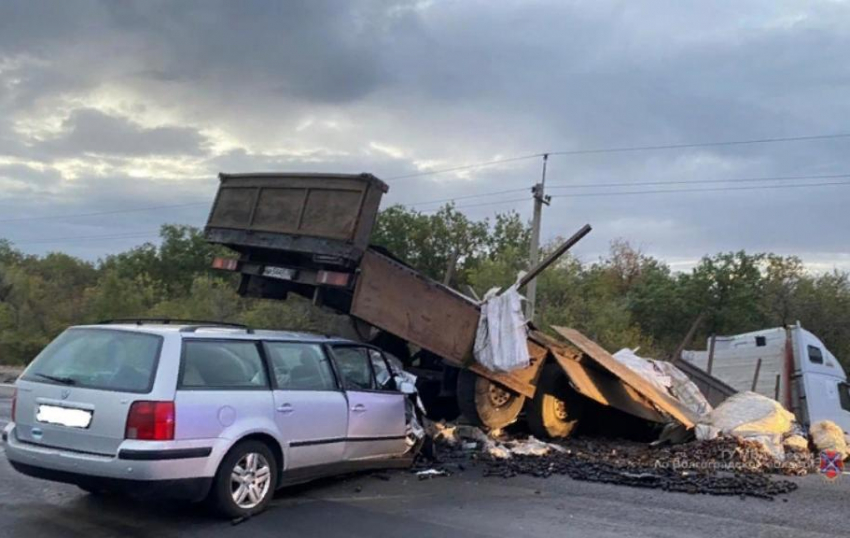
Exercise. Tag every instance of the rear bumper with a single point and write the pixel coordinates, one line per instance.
(189, 489)
(186, 468)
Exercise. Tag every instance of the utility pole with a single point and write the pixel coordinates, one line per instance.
(540, 198)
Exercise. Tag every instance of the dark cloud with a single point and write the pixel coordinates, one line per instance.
(88, 131)
(33, 178)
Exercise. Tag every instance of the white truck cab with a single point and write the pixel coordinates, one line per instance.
(789, 364)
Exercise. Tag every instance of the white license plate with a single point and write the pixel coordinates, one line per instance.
(281, 273)
(64, 416)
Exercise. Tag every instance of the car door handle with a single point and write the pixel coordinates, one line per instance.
(286, 409)
(359, 408)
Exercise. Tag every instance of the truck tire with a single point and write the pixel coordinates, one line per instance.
(555, 410)
(486, 404)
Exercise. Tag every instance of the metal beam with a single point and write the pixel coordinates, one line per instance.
(553, 257)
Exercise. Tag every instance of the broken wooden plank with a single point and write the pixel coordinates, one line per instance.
(596, 383)
(606, 389)
(664, 402)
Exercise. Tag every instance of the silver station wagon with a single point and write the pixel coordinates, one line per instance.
(196, 411)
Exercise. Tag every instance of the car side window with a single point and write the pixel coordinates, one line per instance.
(815, 355)
(354, 367)
(383, 376)
(297, 366)
(844, 395)
(214, 364)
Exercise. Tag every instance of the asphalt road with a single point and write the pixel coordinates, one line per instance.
(464, 505)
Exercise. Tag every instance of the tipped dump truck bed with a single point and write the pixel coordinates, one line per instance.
(328, 215)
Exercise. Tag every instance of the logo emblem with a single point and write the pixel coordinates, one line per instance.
(65, 393)
(831, 464)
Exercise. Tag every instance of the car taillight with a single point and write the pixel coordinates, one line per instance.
(225, 264)
(332, 278)
(151, 421)
(14, 403)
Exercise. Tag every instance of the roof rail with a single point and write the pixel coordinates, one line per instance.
(196, 328)
(173, 321)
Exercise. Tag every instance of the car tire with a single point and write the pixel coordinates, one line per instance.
(486, 404)
(255, 463)
(555, 410)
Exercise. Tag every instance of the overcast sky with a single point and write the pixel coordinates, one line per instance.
(119, 106)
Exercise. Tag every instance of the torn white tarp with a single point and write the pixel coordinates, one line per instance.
(501, 343)
(666, 377)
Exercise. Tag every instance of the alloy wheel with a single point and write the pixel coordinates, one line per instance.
(250, 481)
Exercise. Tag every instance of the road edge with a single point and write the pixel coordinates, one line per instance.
(6, 390)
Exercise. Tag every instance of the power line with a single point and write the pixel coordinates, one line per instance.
(485, 164)
(465, 167)
(624, 149)
(515, 159)
(99, 213)
(86, 238)
(708, 189)
(633, 184)
(497, 202)
(464, 206)
(466, 197)
(660, 191)
(695, 182)
(702, 144)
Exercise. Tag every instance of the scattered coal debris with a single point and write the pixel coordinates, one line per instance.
(445, 457)
(721, 454)
(725, 466)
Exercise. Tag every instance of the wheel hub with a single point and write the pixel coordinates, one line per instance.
(560, 409)
(250, 480)
(499, 397)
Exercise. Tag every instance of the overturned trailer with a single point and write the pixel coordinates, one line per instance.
(308, 234)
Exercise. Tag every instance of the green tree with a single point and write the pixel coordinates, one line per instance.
(115, 297)
(822, 305)
(432, 243)
(782, 277)
(729, 288)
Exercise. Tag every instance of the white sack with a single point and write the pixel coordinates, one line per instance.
(750, 416)
(501, 343)
(796, 442)
(827, 435)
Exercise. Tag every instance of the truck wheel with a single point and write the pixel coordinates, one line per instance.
(487, 404)
(555, 410)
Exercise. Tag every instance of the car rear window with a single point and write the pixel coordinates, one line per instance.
(299, 366)
(106, 359)
(222, 365)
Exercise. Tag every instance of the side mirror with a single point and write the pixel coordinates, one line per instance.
(406, 387)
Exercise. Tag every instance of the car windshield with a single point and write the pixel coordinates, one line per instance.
(98, 358)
